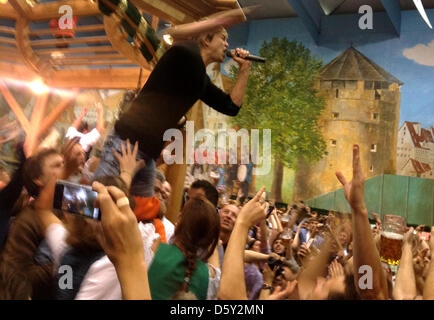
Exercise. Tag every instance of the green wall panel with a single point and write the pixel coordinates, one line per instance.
(420, 208)
(373, 194)
(395, 189)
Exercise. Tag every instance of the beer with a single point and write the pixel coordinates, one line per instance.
(284, 219)
(391, 238)
(286, 235)
(391, 247)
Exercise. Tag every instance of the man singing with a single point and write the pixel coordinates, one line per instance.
(178, 80)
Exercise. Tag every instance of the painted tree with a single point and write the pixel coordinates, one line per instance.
(281, 96)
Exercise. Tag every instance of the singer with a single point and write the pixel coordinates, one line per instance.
(178, 80)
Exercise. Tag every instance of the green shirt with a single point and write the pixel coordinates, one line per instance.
(167, 272)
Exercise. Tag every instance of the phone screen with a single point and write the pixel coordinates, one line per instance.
(77, 199)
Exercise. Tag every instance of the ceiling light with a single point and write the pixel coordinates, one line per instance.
(3, 1)
(38, 87)
(57, 55)
(168, 39)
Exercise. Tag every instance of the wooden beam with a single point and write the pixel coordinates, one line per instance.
(119, 78)
(9, 49)
(7, 56)
(35, 121)
(7, 40)
(17, 72)
(71, 62)
(50, 10)
(119, 42)
(7, 12)
(93, 57)
(155, 21)
(24, 47)
(15, 107)
(75, 50)
(96, 27)
(7, 30)
(163, 10)
(109, 78)
(53, 42)
(56, 113)
(22, 8)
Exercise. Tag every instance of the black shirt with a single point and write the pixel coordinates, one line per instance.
(178, 80)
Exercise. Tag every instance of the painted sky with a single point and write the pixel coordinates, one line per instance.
(409, 57)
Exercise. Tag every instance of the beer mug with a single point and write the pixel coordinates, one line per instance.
(286, 235)
(284, 219)
(392, 235)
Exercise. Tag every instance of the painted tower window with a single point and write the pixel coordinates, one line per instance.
(369, 85)
(333, 143)
(335, 115)
(377, 95)
(337, 93)
(371, 168)
(374, 116)
(351, 84)
(373, 148)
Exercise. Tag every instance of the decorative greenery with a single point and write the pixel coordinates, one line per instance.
(281, 96)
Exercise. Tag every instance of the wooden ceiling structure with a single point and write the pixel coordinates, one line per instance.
(99, 56)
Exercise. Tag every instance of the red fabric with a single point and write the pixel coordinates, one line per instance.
(147, 210)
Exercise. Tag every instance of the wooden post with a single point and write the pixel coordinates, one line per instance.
(15, 107)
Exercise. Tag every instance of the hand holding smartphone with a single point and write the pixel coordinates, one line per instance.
(76, 199)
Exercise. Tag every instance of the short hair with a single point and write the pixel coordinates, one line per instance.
(83, 126)
(160, 176)
(211, 192)
(33, 170)
(208, 35)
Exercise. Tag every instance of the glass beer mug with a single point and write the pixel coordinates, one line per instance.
(392, 235)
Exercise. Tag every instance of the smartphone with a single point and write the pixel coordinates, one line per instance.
(76, 198)
(270, 210)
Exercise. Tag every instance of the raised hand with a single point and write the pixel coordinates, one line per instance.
(282, 294)
(128, 162)
(355, 189)
(254, 211)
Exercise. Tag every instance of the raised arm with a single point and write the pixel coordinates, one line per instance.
(365, 252)
(405, 283)
(221, 19)
(100, 121)
(232, 283)
(122, 242)
(428, 291)
(78, 121)
(128, 162)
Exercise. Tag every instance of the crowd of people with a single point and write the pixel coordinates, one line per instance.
(216, 248)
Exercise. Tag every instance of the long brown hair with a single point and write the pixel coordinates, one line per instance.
(197, 233)
(82, 232)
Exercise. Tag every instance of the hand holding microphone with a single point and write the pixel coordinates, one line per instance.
(244, 55)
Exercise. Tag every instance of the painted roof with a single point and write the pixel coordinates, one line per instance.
(425, 135)
(353, 65)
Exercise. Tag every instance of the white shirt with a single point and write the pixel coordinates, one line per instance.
(86, 140)
(169, 227)
(101, 281)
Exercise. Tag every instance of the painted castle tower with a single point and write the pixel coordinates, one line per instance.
(362, 104)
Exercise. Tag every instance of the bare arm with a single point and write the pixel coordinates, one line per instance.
(253, 256)
(100, 121)
(122, 242)
(239, 89)
(314, 269)
(78, 121)
(232, 283)
(221, 19)
(405, 283)
(264, 235)
(428, 291)
(364, 248)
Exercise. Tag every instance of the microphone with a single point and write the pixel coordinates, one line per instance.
(249, 57)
